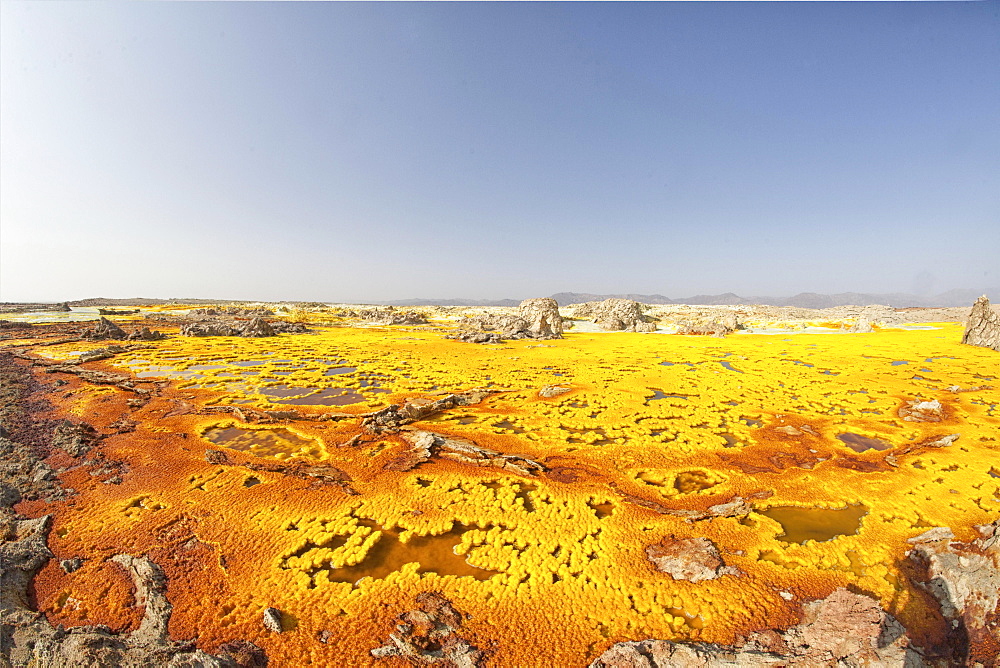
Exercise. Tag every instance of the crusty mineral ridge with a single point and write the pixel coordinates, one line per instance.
(843, 629)
(428, 636)
(983, 326)
(544, 321)
(535, 319)
(105, 329)
(691, 559)
(29, 638)
(862, 326)
(965, 579)
(621, 315)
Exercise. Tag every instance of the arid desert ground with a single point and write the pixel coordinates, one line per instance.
(606, 484)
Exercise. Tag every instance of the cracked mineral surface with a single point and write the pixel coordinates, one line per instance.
(342, 486)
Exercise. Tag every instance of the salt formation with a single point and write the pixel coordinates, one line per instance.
(843, 629)
(535, 319)
(691, 559)
(862, 326)
(429, 636)
(983, 326)
(105, 329)
(616, 315)
(542, 315)
(965, 579)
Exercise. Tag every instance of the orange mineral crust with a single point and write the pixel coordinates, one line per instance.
(549, 520)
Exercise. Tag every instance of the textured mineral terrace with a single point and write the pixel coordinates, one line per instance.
(349, 486)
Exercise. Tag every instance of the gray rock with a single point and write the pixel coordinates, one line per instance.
(272, 620)
(861, 326)
(75, 439)
(983, 326)
(691, 559)
(621, 315)
(257, 328)
(542, 316)
(965, 579)
(845, 629)
(105, 329)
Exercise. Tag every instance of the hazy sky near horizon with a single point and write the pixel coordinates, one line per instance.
(376, 151)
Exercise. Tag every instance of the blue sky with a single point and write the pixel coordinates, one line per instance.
(342, 151)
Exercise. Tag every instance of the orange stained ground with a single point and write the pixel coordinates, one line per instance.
(552, 569)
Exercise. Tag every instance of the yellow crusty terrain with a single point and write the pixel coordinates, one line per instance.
(655, 431)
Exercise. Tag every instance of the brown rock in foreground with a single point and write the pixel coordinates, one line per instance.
(691, 559)
(965, 579)
(843, 629)
(983, 326)
(30, 640)
(428, 636)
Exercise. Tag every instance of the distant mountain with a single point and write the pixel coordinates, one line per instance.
(801, 300)
(567, 298)
(451, 302)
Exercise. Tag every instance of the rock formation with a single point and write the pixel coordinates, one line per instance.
(29, 639)
(921, 411)
(385, 316)
(861, 326)
(965, 579)
(718, 327)
(105, 329)
(145, 334)
(257, 327)
(428, 636)
(983, 326)
(843, 629)
(535, 319)
(542, 316)
(75, 439)
(620, 315)
(691, 559)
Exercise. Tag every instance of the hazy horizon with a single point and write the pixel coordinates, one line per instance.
(388, 151)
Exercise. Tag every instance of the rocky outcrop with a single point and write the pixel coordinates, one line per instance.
(718, 327)
(473, 336)
(535, 319)
(385, 316)
(29, 639)
(272, 620)
(285, 327)
(111, 311)
(105, 329)
(542, 316)
(861, 326)
(983, 326)
(691, 559)
(75, 439)
(843, 629)
(428, 636)
(145, 334)
(620, 315)
(425, 445)
(209, 328)
(965, 579)
(236, 311)
(24, 475)
(255, 328)
(390, 419)
(921, 411)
